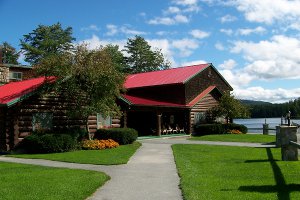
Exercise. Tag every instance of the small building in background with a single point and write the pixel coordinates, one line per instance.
(12, 73)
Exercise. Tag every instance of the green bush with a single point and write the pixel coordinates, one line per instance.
(120, 135)
(212, 129)
(47, 143)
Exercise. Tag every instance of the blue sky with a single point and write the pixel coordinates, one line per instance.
(255, 44)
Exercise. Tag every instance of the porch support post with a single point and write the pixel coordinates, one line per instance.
(125, 118)
(158, 125)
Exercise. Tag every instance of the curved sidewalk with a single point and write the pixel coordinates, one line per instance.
(150, 173)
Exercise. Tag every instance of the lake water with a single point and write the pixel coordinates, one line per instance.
(255, 124)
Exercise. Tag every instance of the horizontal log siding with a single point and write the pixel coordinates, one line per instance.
(202, 81)
(203, 105)
(17, 123)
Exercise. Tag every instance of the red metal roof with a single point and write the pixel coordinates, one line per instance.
(163, 77)
(13, 91)
(139, 101)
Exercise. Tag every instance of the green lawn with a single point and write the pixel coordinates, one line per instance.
(237, 138)
(119, 155)
(219, 172)
(20, 181)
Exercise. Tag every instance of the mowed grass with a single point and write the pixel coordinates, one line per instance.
(222, 172)
(115, 156)
(254, 138)
(20, 181)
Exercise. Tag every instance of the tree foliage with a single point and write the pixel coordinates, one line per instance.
(141, 58)
(9, 54)
(87, 78)
(45, 41)
(117, 57)
(228, 107)
(265, 110)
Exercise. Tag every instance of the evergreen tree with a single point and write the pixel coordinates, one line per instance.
(9, 54)
(141, 58)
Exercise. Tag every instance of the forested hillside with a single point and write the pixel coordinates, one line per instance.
(260, 109)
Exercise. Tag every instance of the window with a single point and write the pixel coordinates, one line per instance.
(15, 75)
(42, 121)
(103, 122)
(199, 117)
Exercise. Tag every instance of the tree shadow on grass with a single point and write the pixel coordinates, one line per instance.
(281, 188)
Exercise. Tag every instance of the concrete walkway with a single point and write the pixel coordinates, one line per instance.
(150, 173)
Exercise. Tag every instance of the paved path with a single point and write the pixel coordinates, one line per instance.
(150, 174)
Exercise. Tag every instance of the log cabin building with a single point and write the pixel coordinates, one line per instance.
(154, 103)
(162, 101)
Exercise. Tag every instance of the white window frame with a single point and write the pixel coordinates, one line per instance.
(103, 122)
(15, 75)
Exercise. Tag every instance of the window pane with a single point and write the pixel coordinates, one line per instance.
(103, 122)
(42, 121)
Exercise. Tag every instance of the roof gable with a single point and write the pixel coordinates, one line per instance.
(13, 92)
(163, 77)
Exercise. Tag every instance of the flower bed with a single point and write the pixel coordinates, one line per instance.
(99, 144)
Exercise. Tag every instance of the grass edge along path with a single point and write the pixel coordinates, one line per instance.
(115, 156)
(252, 138)
(31, 182)
(222, 172)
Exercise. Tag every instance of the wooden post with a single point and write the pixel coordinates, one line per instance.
(125, 119)
(265, 129)
(158, 125)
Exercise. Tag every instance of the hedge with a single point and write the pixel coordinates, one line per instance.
(47, 143)
(120, 135)
(212, 129)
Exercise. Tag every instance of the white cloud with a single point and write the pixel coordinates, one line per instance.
(268, 11)
(248, 31)
(95, 42)
(186, 2)
(228, 64)
(172, 10)
(185, 46)
(236, 78)
(113, 30)
(219, 46)
(227, 31)
(278, 57)
(91, 27)
(228, 18)
(177, 19)
(129, 31)
(181, 19)
(196, 33)
(195, 62)
(278, 95)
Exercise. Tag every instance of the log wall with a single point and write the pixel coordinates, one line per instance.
(16, 121)
(203, 105)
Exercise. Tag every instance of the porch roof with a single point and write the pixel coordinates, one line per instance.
(14, 92)
(140, 101)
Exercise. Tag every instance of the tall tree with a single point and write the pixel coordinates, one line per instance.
(9, 54)
(46, 40)
(116, 56)
(87, 78)
(141, 58)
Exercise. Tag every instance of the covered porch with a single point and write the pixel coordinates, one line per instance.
(157, 121)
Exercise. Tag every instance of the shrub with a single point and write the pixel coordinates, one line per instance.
(211, 129)
(120, 135)
(99, 144)
(48, 143)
